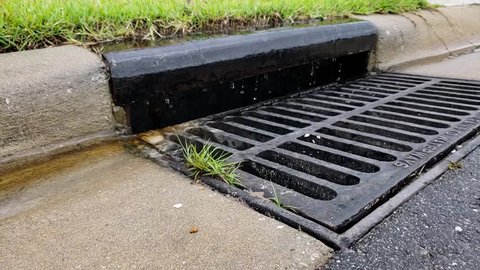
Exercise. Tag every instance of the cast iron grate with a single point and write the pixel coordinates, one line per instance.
(336, 152)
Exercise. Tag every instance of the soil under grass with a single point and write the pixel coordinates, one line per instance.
(30, 24)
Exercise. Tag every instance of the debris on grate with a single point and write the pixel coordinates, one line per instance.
(335, 153)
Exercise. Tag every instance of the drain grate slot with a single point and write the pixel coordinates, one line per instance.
(219, 138)
(400, 78)
(230, 128)
(408, 119)
(455, 85)
(369, 89)
(382, 86)
(427, 108)
(346, 105)
(308, 109)
(343, 96)
(330, 157)
(450, 89)
(360, 93)
(259, 125)
(448, 99)
(417, 113)
(308, 167)
(380, 132)
(438, 104)
(277, 119)
(294, 114)
(394, 125)
(301, 185)
(348, 148)
(336, 152)
(366, 139)
(460, 96)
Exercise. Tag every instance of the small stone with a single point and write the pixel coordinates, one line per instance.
(307, 135)
(280, 227)
(178, 205)
(458, 229)
(193, 230)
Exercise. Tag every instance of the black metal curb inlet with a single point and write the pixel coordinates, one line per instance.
(172, 84)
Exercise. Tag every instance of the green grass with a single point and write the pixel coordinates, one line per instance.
(30, 24)
(210, 161)
(452, 165)
(279, 203)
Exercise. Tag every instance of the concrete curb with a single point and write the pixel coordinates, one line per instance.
(425, 36)
(57, 99)
(52, 99)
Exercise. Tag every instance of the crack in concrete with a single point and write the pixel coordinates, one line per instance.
(402, 37)
(433, 31)
(409, 19)
(452, 25)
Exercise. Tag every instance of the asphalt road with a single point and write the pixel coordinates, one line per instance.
(439, 228)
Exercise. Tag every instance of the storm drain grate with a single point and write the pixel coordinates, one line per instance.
(336, 152)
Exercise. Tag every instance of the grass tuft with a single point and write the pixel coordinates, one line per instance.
(452, 165)
(278, 202)
(30, 24)
(210, 161)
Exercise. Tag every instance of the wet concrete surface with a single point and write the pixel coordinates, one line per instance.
(103, 208)
(462, 67)
(439, 228)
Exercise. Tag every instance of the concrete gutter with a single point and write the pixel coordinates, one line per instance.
(52, 100)
(425, 36)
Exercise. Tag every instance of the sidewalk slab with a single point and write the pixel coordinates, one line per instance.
(104, 208)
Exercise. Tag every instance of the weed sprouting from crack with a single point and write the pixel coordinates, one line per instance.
(452, 165)
(210, 161)
(278, 202)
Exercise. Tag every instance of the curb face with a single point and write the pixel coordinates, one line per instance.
(50, 96)
(426, 35)
(153, 84)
